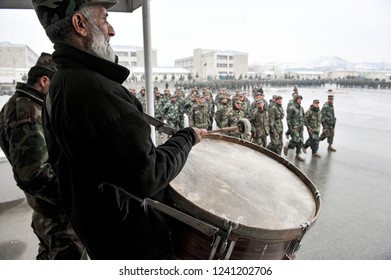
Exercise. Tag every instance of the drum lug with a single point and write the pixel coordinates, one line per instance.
(295, 244)
(230, 226)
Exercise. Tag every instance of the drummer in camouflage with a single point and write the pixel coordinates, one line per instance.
(22, 140)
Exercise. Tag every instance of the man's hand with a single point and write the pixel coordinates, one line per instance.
(199, 133)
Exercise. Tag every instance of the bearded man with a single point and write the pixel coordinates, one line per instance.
(99, 141)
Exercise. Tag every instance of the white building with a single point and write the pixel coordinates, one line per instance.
(159, 74)
(132, 56)
(15, 62)
(215, 64)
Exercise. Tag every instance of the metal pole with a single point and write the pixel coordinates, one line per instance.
(148, 63)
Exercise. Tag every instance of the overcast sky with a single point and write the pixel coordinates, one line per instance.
(268, 30)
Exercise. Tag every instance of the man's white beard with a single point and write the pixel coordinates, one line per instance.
(99, 46)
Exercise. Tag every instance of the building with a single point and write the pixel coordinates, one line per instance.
(132, 56)
(15, 62)
(159, 74)
(215, 64)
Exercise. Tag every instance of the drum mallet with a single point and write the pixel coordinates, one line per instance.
(243, 127)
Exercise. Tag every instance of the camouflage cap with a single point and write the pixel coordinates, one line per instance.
(297, 97)
(51, 11)
(278, 97)
(237, 101)
(316, 101)
(260, 101)
(331, 97)
(45, 61)
(199, 95)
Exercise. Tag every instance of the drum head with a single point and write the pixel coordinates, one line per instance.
(226, 178)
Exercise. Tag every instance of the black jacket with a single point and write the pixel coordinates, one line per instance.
(99, 142)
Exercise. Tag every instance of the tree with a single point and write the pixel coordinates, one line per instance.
(172, 77)
(24, 77)
(165, 77)
(197, 76)
(189, 77)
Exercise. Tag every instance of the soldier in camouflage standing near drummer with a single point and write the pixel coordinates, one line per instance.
(276, 126)
(312, 121)
(295, 121)
(328, 123)
(259, 124)
(22, 140)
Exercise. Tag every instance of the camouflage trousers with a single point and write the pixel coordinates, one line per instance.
(328, 132)
(312, 141)
(297, 140)
(57, 239)
(275, 144)
(260, 140)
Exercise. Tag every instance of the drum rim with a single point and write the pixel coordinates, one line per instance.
(249, 232)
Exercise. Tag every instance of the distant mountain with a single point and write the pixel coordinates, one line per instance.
(325, 63)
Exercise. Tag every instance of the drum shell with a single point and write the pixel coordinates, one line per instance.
(252, 242)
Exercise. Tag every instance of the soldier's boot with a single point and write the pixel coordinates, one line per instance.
(316, 155)
(331, 149)
(299, 158)
(286, 150)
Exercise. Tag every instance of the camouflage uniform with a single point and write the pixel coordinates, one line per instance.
(222, 112)
(312, 121)
(295, 121)
(211, 108)
(260, 125)
(171, 112)
(22, 140)
(328, 122)
(200, 114)
(142, 100)
(276, 127)
(234, 116)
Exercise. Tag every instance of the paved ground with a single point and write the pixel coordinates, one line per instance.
(355, 219)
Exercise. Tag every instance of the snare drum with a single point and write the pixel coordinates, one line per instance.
(259, 202)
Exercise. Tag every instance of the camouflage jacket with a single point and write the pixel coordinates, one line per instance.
(259, 122)
(158, 107)
(276, 114)
(328, 116)
(171, 112)
(200, 116)
(22, 140)
(312, 118)
(234, 116)
(143, 102)
(221, 115)
(295, 116)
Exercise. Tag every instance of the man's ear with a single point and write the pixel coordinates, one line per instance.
(80, 24)
(43, 81)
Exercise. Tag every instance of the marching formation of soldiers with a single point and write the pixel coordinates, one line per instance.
(266, 117)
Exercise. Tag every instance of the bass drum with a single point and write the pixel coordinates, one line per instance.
(260, 204)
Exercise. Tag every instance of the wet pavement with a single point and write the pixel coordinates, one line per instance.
(355, 218)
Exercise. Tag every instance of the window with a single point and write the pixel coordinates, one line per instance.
(231, 66)
(222, 65)
(122, 53)
(133, 63)
(231, 57)
(222, 57)
(133, 54)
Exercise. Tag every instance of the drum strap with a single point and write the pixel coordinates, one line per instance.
(201, 226)
(123, 197)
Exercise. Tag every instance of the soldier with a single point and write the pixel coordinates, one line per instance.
(257, 96)
(234, 116)
(171, 112)
(221, 116)
(312, 121)
(181, 102)
(290, 102)
(272, 102)
(141, 98)
(328, 122)
(22, 140)
(166, 96)
(295, 121)
(200, 114)
(209, 101)
(276, 126)
(260, 124)
(189, 103)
